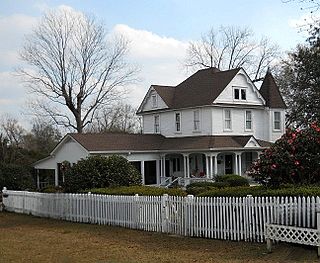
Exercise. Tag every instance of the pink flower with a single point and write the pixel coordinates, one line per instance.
(297, 162)
(274, 166)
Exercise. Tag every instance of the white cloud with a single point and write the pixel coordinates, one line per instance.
(158, 56)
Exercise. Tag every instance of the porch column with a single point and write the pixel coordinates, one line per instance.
(236, 163)
(187, 165)
(216, 164)
(38, 179)
(56, 179)
(240, 170)
(142, 172)
(208, 171)
(211, 166)
(184, 166)
(259, 153)
(164, 166)
(158, 165)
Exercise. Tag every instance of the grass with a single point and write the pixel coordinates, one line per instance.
(30, 239)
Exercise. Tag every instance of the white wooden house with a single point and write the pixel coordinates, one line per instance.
(214, 122)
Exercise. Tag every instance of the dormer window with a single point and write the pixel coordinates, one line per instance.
(240, 94)
(154, 100)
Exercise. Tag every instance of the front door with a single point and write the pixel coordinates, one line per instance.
(228, 164)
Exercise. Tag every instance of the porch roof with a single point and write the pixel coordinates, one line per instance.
(152, 142)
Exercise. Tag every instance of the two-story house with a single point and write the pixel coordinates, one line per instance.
(214, 122)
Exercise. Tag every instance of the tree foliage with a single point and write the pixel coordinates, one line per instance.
(16, 177)
(293, 159)
(74, 69)
(299, 80)
(99, 172)
(232, 47)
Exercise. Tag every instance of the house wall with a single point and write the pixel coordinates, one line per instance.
(148, 101)
(69, 151)
(259, 122)
(275, 134)
(167, 123)
(253, 97)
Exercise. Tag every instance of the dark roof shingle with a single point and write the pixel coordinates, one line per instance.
(153, 142)
(270, 92)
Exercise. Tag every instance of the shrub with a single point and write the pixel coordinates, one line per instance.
(16, 177)
(233, 180)
(52, 189)
(140, 190)
(99, 171)
(293, 159)
(243, 191)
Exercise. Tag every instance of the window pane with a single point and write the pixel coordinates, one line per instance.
(248, 120)
(236, 94)
(243, 94)
(196, 120)
(227, 119)
(277, 120)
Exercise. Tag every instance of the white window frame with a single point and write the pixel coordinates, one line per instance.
(225, 120)
(196, 122)
(240, 93)
(156, 126)
(247, 120)
(177, 123)
(154, 100)
(276, 121)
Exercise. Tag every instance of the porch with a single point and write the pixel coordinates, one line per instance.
(186, 168)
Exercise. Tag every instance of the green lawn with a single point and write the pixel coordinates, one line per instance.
(31, 239)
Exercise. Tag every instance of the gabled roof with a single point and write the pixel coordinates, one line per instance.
(109, 142)
(270, 92)
(200, 89)
(118, 141)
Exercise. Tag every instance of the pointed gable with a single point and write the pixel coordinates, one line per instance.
(202, 88)
(270, 92)
(166, 93)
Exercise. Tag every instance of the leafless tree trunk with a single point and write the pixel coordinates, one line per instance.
(74, 69)
(231, 47)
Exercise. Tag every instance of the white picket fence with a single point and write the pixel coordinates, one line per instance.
(228, 218)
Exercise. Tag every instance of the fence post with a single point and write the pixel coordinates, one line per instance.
(136, 211)
(318, 227)
(188, 216)
(165, 211)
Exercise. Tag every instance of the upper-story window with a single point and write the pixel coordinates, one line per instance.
(248, 125)
(277, 120)
(196, 120)
(227, 119)
(178, 121)
(156, 124)
(154, 99)
(240, 94)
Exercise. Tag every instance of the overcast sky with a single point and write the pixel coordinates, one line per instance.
(159, 32)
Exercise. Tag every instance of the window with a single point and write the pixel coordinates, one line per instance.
(156, 124)
(196, 120)
(240, 94)
(248, 120)
(227, 119)
(178, 121)
(276, 120)
(154, 101)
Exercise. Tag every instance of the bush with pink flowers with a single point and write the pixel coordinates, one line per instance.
(293, 159)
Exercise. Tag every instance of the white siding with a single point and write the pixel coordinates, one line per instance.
(167, 123)
(69, 151)
(148, 102)
(240, 81)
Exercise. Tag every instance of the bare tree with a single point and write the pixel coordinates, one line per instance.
(75, 69)
(231, 47)
(120, 118)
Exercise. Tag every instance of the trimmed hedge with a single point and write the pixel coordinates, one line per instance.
(140, 190)
(233, 180)
(101, 171)
(243, 191)
(200, 187)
